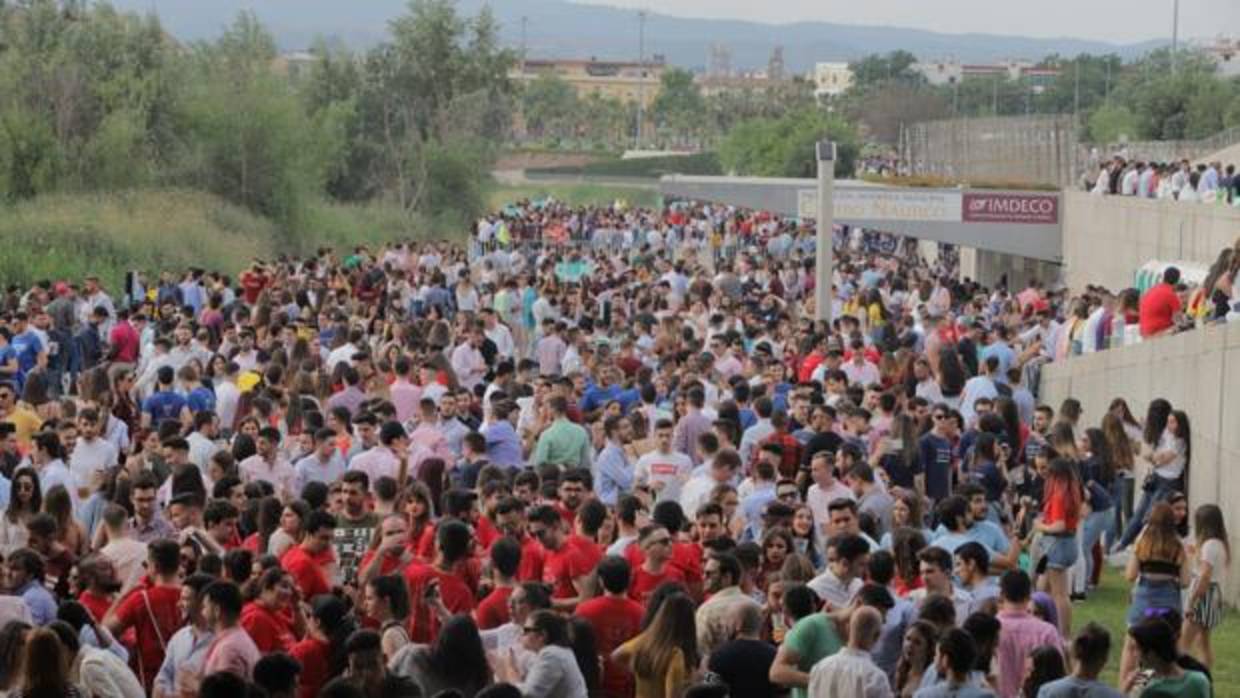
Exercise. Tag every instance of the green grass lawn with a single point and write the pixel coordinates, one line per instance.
(1109, 604)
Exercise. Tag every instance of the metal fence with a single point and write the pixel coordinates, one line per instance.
(1033, 150)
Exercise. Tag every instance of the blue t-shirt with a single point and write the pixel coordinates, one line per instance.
(986, 474)
(936, 463)
(7, 354)
(200, 399)
(27, 346)
(163, 405)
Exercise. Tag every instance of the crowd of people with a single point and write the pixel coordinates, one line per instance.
(1205, 182)
(609, 452)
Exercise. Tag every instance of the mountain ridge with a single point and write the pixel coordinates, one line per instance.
(558, 28)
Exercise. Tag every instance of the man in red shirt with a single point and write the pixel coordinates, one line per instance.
(437, 592)
(656, 544)
(589, 520)
(310, 561)
(1159, 305)
(616, 619)
(564, 567)
(124, 342)
(571, 492)
(253, 281)
(492, 611)
(97, 585)
(152, 610)
(510, 520)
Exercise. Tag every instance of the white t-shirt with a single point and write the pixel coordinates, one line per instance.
(672, 469)
(1215, 554)
(89, 457)
(1175, 468)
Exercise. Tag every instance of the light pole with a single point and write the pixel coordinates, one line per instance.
(1175, 31)
(641, 77)
(824, 259)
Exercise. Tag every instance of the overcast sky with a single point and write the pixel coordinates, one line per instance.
(1123, 21)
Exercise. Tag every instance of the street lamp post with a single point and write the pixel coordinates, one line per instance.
(824, 260)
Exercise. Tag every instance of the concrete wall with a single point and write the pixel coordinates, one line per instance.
(1198, 372)
(1107, 238)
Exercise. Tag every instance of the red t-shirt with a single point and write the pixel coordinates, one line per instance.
(153, 613)
(424, 626)
(97, 605)
(644, 583)
(615, 622)
(1158, 308)
(390, 563)
(1059, 505)
(252, 284)
(315, 658)
(308, 571)
(492, 611)
(270, 631)
(561, 567)
(532, 554)
(590, 551)
(569, 516)
(686, 558)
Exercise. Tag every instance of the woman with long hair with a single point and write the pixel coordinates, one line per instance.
(322, 652)
(292, 527)
(906, 543)
(12, 647)
(1062, 508)
(456, 660)
(916, 655)
(69, 533)
(1158, 570)
(25, 500)
(663, 657)
(419, 510)
(1119, 446)
(1169, 451)
(45, 668)
(1098, 478)
(906, 512)
(951, 377)
(386, 602)
(805, 535)
(1044, 665)
(584, 644)
(777, 545)
(1205, 599)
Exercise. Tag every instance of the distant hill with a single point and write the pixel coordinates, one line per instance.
(558, 28)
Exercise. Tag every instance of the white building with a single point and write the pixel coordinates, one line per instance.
(1225, 53)
(831, 79)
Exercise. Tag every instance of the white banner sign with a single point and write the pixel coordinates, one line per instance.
(885, 205)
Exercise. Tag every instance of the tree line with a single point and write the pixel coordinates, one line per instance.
(92, 99)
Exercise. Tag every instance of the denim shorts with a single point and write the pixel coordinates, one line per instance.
(1061, 551)
(1153, 594)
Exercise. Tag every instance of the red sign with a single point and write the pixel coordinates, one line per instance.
(1010, 208)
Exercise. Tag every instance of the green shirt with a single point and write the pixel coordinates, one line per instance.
(812, 638)
(563, 443)
(1193, 684)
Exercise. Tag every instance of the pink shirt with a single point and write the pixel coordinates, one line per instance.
(405, 397)
(233, 651)
(377, 462)
(280, 474)
(430, 438)
(1020, 633)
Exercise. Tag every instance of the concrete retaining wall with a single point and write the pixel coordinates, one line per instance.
(1107, 238)
(1198, 372)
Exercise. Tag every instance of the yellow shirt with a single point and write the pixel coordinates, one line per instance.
(669, 683)
(25, 424)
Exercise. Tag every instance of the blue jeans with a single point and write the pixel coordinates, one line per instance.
(1121, 492)
(1095, 525)
(1162, 489)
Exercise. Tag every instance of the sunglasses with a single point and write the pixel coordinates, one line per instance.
(525, 630)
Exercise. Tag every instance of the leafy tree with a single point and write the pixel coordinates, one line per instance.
(1109, 123)
(784, 147)
(877, 69)
(550, 107)
(679, 106)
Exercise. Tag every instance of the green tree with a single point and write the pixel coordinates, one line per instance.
(679, 106)
(1110, 123)
(550, 107)
(784, 146)
(877, 69)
